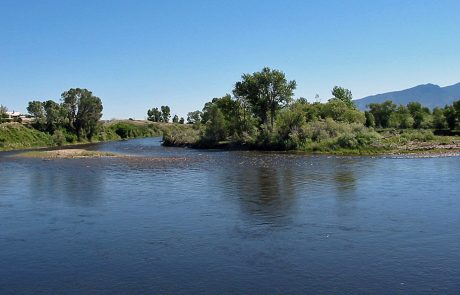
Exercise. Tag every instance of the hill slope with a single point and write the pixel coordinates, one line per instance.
(429, 95)
(17, 136)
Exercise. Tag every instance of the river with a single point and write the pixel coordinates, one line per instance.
(184, 221)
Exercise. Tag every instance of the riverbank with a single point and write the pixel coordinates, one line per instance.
(373, 142)
(16, 136)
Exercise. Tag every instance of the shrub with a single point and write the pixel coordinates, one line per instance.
(215, 129)
(420, 135)
(59, 138)
(180, 136)
(126, 130)
(348, 140)
(290, 131)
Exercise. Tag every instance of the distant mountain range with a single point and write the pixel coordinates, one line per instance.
(429, 95)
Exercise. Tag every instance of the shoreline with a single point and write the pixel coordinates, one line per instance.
(410, 148)
(78, 151)
(394, 143)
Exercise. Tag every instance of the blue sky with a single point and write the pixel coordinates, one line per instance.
(139, 54)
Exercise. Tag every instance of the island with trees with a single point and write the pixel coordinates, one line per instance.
(263, 114)
(260, 114)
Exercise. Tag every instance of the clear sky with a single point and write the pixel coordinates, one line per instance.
(136, 55)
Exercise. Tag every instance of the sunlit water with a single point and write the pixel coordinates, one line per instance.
(182, 221)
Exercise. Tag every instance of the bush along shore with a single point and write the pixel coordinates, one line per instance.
(262, 114)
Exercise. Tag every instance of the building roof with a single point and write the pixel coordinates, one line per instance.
(13, 114)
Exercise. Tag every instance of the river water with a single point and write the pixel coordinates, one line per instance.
(183, 221)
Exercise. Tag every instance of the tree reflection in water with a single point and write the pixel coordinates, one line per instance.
(266, 194)
(77, 182)
(345, 181)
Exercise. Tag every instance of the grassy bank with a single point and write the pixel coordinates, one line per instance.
(181, 136)
(15, 136)
(329, 138)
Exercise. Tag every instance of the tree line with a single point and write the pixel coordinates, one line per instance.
(263, 112)
(413, 115)
(3, 115)
(77, 114)
(163, 115)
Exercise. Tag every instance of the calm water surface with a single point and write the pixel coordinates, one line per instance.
(181, 221)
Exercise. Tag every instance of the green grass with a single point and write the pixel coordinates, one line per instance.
(15, 136)
(335, 139)
(181, 135)
(129, 129)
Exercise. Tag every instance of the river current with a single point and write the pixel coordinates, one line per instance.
(184, 221)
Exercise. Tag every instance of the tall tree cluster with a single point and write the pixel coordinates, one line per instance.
(256, 101)
(78, 112)
(259, 99)
(413, 115)
(265, 92)
(262, 110)
(3, 110)
(162, 115)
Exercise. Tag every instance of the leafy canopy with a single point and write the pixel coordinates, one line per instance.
(266, 92)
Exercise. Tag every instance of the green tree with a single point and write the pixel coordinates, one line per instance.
(181, 121)
(243, 122)
(266, 92)
(439, 120)
(37, 111)
(401, 118)
(165, 114)
(344, 95)
(290, 127)
(382, 112)
(313, 111)
(226, 104)
(451, 117)
(54, 115)
(84, 110)
(194, 117)
(230, 110)
(215, 130)
(339, 111)
(419, 113)
(456, 106)
(3, 111)
(370, 120)
(154, 115)
(302, 100)
(452, 114)
(175, 119)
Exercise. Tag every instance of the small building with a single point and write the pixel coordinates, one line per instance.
(13, 115)
(17, 117)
